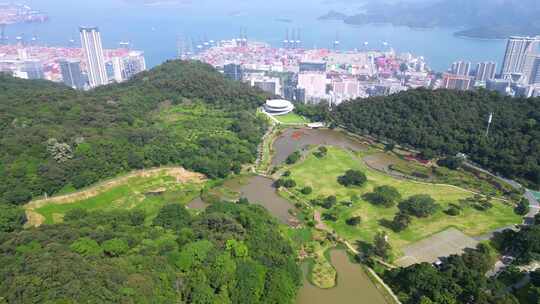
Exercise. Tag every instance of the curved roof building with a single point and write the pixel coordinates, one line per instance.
(278, 107)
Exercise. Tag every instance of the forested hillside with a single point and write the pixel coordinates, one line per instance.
(54, 139)
(231, 253)
(446, 122)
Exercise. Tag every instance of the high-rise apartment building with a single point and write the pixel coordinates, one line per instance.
(461, 68)
(71, 73)
(33, 68)
(535, 74)
(93, 50)
(486, 71)
(519, 56)
(233, 71)
(133, 64)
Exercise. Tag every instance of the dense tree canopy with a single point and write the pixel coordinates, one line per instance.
(352, 178)
(11, 218)
(459, 279)
(386, 196)
(180, 113)
(446, 122)
(420, 205)
(233, 254)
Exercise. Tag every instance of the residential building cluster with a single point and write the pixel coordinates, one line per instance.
(80, 68)
(519, 74)
(313, 75)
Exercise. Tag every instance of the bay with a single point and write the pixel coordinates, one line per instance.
(155, 28)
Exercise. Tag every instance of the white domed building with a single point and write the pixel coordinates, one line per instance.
(278, 107)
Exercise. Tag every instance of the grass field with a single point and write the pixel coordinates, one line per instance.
(147, 193)
(321, 175)
(292, 118)
(395, 164)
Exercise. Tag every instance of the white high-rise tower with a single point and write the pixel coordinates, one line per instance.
(519, 56)
(93, 50)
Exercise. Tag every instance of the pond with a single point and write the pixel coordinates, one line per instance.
(292, 140)
(353, 285)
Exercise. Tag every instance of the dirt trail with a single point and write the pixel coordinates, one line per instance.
(182, 176)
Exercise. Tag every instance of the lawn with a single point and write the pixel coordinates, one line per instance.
(144, 193)
(322, 174)
(292, 118)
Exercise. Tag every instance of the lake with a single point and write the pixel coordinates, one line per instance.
(154, 29)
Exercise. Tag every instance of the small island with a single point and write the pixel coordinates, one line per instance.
(333, 15)
(520, 17)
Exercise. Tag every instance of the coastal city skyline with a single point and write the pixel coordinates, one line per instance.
(346, 74)
(195, 24)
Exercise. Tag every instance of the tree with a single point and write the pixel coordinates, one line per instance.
(352, 178)
(137, 217)
(537, 219)
(381, 247)
(75, 214)
(535, 277)
(237, 248)
(354, 221)
(283, 182)
(293, 158)
(289, 183)
(453, 211)
(173, 216)
(421, 205)
(321, 152)
(329, 216)
(250, 285)
(115, 247)
(401, 221)
(386, 196)
(522, 207)
(11, 218)
(306, 190)
(452, 162)
(86, 247)
(389, 147)
(243, 201)
(329, 202)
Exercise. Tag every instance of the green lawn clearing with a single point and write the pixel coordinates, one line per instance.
(292, 118)
(145, 193)
(322, 174)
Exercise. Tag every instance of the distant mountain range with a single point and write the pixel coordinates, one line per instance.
(479, 18)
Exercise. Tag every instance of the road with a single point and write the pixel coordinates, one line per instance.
(528, 219)
(534, 205)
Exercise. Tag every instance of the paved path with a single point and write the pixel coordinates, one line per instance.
(534, 205)
(534, 208)
(528, 220)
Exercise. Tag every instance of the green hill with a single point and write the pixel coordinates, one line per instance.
(446, 122)
(54, 139)
(136, 243)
